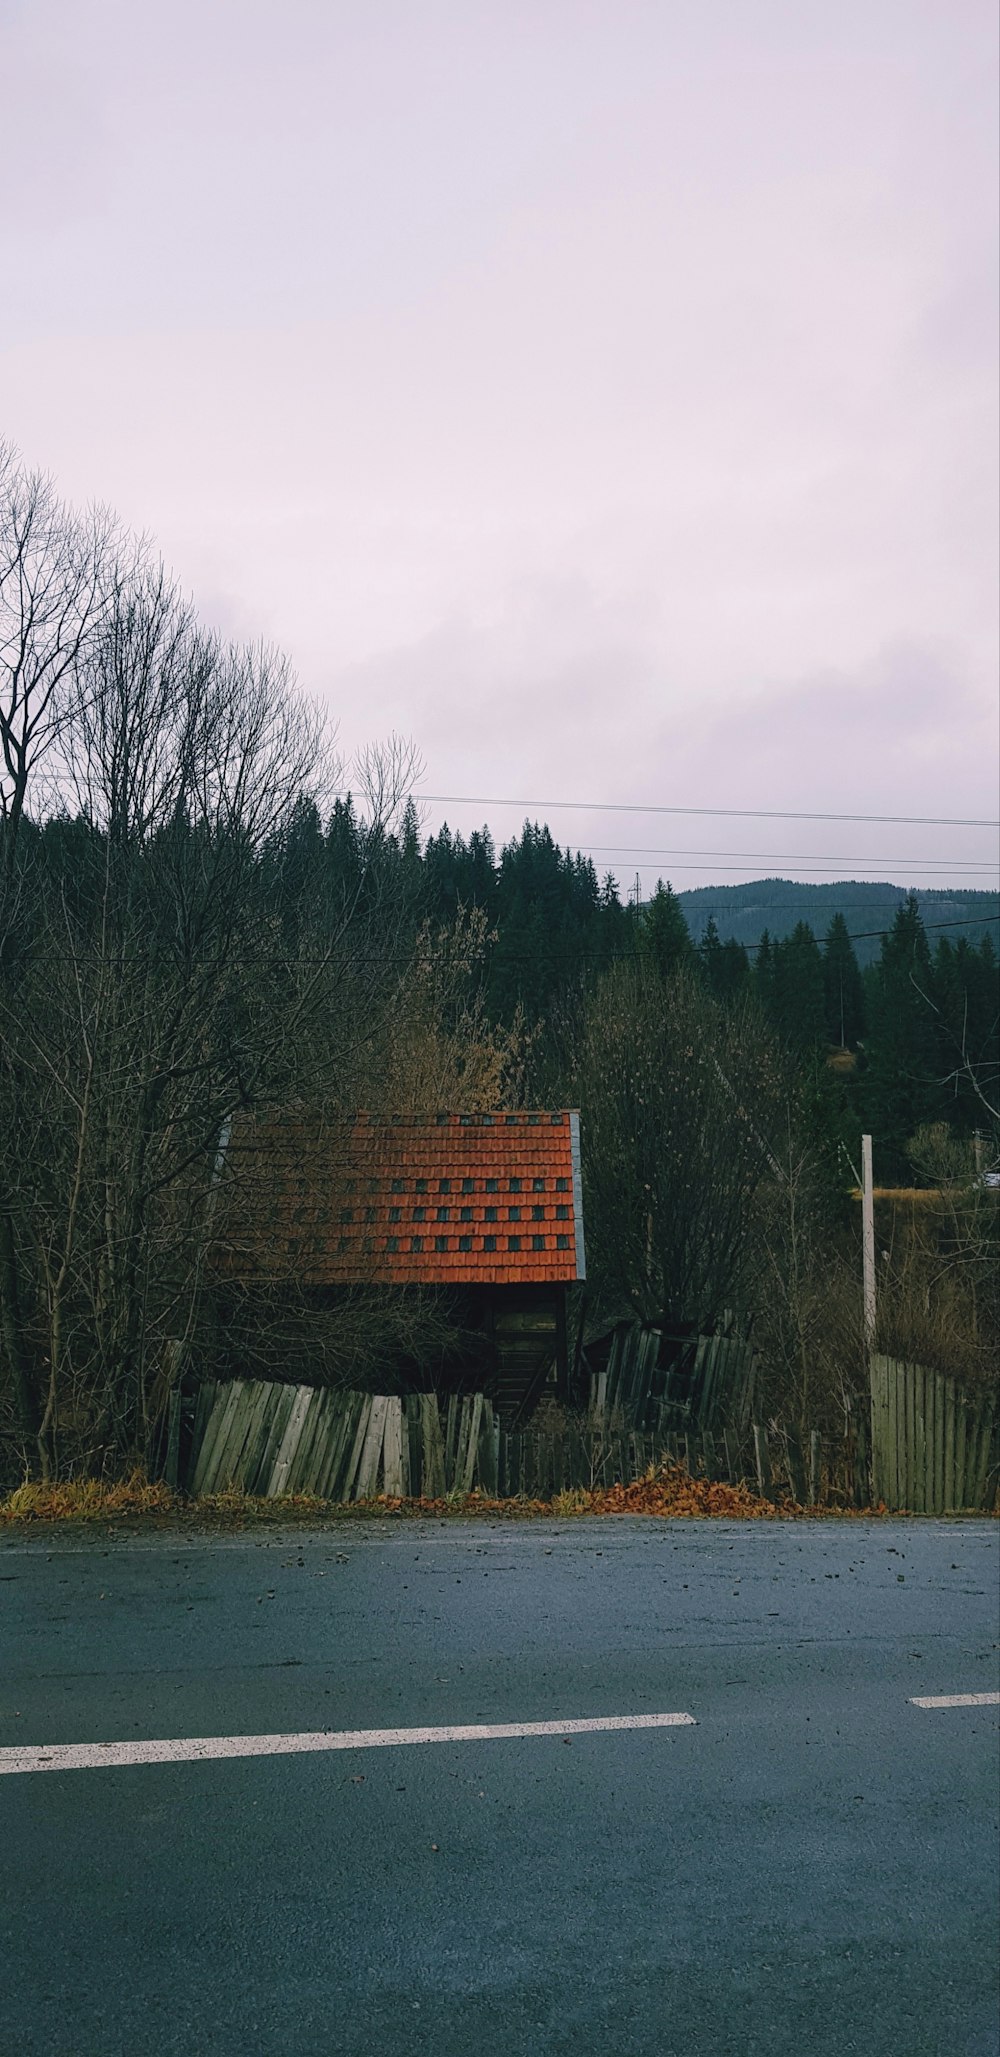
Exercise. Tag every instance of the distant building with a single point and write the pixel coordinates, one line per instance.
(486, 1208)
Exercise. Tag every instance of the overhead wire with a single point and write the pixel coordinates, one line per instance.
(714, 813)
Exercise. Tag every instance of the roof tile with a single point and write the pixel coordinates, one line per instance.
(350, 1190)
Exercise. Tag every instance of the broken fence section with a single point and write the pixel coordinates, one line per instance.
(709, 1385)
(930, 1452)
(271, 1439)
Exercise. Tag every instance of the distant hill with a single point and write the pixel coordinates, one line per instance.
(778, 904)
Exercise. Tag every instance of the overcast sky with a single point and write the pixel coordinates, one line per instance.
(601, 392)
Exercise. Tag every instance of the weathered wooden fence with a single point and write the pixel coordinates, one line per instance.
(718, 1382)
(270, 1439)
(932, 1452)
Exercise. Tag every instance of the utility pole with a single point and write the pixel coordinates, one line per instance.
(868, 1240)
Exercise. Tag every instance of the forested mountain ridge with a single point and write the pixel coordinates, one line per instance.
(743, 912)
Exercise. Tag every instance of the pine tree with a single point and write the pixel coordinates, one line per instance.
(798, 988)
(764, 974)
(734, 972)
(843, 991)
(902, 1088)
(665, 939)
(710, 957)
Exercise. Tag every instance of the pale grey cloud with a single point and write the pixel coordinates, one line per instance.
(603, 393)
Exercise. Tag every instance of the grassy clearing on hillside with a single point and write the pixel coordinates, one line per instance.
(666, 1490)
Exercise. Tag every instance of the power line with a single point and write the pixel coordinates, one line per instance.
(715, 813)
(787, 857)
(836, 870)
(346, 956)
(869, 935)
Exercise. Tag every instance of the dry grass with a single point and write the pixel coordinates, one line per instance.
(666, 1491)
(87, 1499)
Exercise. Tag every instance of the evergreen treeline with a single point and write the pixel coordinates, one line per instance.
(920, 1023)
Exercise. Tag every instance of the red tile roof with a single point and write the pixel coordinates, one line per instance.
(459, 1199)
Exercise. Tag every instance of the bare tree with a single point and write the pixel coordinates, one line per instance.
(53, 570)
(53, 567)
(806, 1284)
(168, 980)
(678, 1099)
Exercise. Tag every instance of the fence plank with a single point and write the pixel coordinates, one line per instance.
(475, 1415)
(281, 1399)
(876, 1381)
(796, 1465)
(929, 1397)
(361, 1426)
(930, 1440)
(815, 1459)
(861, 1487)
(961, 1455)
(340, 1420)
(232, 1435)
(203, 1477)
(231, 1455)
(244, 1447)
(450, 1440)
(289, 1443)
(939, 1443)
(259, 1412)
(338, 1410)
(368, 1464)
(301, 1466)
(762, 1460)
(393, 1448)
(949, 1445)
(203, 1467)
(204, 1402)
(486, 1451)
(982, 1459)
(328, 1435)
(280, 1403)
(896, 1479)
(910, 1447)
(432, 1448)
(414, 1475)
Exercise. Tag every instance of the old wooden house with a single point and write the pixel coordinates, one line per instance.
(483, 1212)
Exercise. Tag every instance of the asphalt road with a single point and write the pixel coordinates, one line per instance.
(812, 1867)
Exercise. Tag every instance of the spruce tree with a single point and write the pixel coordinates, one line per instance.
(710, 958)
(764, 973)
(902, 1087)
(843, 991)
(665, 939)
(734, 972)
(798, 985)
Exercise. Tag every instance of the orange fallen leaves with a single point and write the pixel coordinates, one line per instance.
(666, 1491)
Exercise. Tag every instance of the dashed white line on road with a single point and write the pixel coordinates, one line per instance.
(196, 1749)
(958, 1700)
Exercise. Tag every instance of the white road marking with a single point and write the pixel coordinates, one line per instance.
(195, 1749)
(958, 1700)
